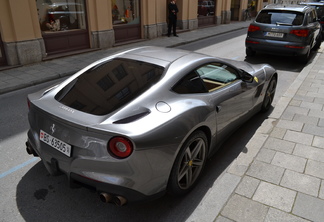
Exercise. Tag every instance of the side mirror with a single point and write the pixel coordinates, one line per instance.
(246, 77)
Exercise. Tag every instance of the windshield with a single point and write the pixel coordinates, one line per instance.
(109, 85)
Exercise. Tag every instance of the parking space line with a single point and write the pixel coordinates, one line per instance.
(20, 166)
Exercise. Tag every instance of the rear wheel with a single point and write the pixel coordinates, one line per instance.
(305, 58)
(318, 42)
(249, 51)
(269, 95)
(188, 165)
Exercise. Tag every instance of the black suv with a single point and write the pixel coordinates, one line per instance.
(292, 30)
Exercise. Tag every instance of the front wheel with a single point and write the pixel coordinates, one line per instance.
(269, 95)
(188, 165)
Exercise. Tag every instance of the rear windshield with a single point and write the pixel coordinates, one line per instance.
(280, 17)
(109, 85)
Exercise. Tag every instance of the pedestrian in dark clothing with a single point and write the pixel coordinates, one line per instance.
(173, 10)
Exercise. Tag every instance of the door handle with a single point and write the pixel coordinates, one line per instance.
(218, 109)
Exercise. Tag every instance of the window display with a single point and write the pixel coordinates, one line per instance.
(125, 12)
(61, 15)
(206, 8)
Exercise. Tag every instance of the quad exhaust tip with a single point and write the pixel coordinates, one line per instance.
(109, 198)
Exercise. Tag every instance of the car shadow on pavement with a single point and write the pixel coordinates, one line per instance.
(42, 197)
(287, 63)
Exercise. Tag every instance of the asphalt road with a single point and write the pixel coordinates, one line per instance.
(29, 193)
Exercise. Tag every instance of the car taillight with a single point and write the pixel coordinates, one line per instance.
(294, 47)
(120, 147)
(300, 32)
(252, 42)
(253, 28)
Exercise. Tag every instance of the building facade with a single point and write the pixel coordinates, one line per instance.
(36, 30)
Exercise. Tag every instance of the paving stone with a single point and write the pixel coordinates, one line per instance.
(304, 98)
(292, 125)
(309, 152)
(315, 168)
(278, 133)
(321, 123)
(223, 219)
(297, 110)
(298, 137)
(306, 119)
(289, 161)
(247, 187)
(275, 215)
(301, 182)
(316, 113)
(316, 106)
(266, 155)
(295, 102)
(266, 172)
(279, 145)
(315, 95)
(243, 209)
(321, 194)
(309, 207)
(314, 130)
(275, 196)
(318, 142)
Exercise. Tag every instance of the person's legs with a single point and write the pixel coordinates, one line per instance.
(175, 27)
(169, 27)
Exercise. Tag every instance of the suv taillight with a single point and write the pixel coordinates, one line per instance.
(300, 32)
(120, 147)
(253, 28)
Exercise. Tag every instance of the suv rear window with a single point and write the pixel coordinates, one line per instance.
(109, 85)
(280, 17)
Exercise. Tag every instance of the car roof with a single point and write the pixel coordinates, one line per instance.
(297, 8)
(313, 3)
(157, 53)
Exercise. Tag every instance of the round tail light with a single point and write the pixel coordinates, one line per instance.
(120, 147)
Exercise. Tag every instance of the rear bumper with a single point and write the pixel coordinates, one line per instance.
(276, 47)
(96, 174)
(131, 195)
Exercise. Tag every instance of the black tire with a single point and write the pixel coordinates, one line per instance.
(188, 165)
(305, 58)
(318, 42)
(269, 94)
(249, 52)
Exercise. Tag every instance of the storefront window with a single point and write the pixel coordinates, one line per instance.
(125, 12)
(61, 15)
(206, 8)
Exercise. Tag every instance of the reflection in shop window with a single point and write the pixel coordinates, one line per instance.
(61, 15)
(125, 12)
(206, 8)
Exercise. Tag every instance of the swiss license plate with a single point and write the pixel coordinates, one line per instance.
(275, 34)
(55, 143)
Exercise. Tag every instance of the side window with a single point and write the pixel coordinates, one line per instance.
(314, 16)
(191, 83)
(217, 72)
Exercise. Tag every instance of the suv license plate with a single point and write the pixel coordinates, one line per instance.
(275, 34)
(55, 143)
